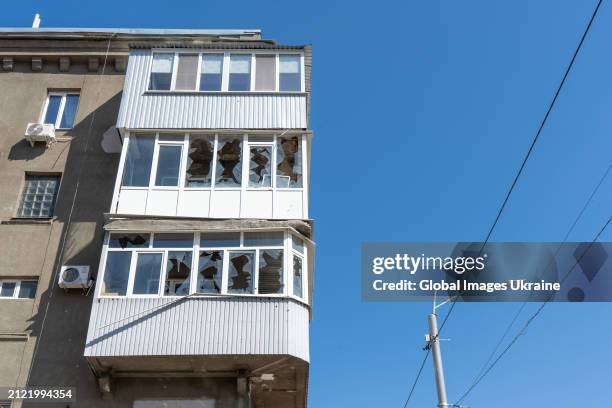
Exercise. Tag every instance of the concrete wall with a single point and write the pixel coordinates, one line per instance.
(30, 249)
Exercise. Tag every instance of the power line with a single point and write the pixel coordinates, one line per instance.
(571, 229)
(531, 319)
(533, 142)
(416, 380)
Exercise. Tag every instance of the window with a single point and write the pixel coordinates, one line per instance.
(288, 162)
(290, 78)
(39, 196)
(161, 72)
(247, 263)
(260, 166)
(146, 276)
(168, 165)
(18, 289)
(212, 72)
(241, 266)
(297, 276)
(210, 271)
(229, 162)
(265, 72)
(116, 273)
(60, 109)
(137, 168)
(199, 162)
(240, 72)
(187, 72)
(270, 271)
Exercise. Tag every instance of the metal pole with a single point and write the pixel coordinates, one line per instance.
(434, 343)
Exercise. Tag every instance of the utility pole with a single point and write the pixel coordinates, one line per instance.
(434, 344)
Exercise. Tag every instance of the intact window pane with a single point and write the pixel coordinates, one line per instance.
(219, 239)
(186, 72)
(7, 289)
(240, 72)
(212, 72)
(178, 272)
(210, 270)
(161, 72)
(264, 238)
(290, 78)
(146, 276)
(27, 290)
(265, 72)
(129, 241)
(241, 266)
(173, 240)
(288, 162)
(270, 271)
(297, 243)
(260, 166)
(168, 165)
(39, 196)
(297, 277)
(53, 109)
(116, 273)
(199, 161)
(137, 168)
(229, 159)
(70, 108)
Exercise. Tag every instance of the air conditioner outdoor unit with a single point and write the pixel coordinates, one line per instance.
(40, 132)
(75, 276)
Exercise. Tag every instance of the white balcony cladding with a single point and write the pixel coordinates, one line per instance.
(142, 109)
(198, 326)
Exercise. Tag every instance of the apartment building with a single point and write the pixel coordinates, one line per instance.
(157, 249)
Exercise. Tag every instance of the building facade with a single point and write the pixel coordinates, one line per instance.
(157, 245)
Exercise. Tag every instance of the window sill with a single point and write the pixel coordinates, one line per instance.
(28, 221)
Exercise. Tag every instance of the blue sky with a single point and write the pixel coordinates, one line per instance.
(422, 112)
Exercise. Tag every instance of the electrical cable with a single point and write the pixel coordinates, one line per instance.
(533, 142)
(416, 380)
(531, 319)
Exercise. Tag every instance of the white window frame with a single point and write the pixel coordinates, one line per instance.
(195, 249)
(18, 288)
(60, 111)
(225, 70)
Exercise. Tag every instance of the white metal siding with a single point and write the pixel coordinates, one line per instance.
(159, 110)
(198, 326)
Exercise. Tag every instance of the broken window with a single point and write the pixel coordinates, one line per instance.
(212, 72)
(229, 159)
(137, 168)
(241, 266)
(289, 162)
(161, 72)
(199, 160)
(128, 241)
(178, 273)
(260, 166)
(146, 276)
(297, 276)
(270, 271)
(116, 273)
(210, 271)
